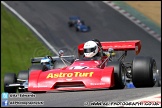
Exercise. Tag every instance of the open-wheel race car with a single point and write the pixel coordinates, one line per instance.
(71, 73)
(78, 24)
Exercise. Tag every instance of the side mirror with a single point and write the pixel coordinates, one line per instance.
(61, 53)
(111, 53)
(111, 50)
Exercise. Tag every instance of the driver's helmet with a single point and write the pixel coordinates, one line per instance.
(90, 49)
(78, 22)
(46, 61)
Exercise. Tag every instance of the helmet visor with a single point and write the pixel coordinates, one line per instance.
(88, 50)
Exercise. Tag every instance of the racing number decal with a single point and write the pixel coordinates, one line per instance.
(79, 67)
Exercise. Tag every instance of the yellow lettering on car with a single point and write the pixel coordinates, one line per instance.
(61, 74)
(90, 74)
(50, 75)
(83, 74)
(69, 74)
(75, 74)
(55, 75)
(86, 74)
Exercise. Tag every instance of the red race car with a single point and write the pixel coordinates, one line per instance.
(107, 71)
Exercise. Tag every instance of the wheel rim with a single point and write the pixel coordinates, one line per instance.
(123, 75)
(155, 71)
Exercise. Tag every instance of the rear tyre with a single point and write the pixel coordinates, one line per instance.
(70, 24)
(10, 78)
(119, 74)
(142, 71)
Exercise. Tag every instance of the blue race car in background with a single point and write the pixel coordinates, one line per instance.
(75, 21)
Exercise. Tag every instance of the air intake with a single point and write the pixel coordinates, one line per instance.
(69, 85)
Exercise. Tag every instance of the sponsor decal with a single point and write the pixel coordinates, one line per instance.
(97, 83)
(69, 75)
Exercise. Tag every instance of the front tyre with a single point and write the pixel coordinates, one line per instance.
(119, 74)
(143, 71)
(89, 28)
(70, 24)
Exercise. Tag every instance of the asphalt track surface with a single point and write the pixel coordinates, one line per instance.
(50, 19)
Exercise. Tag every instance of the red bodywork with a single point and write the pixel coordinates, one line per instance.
(81, 74)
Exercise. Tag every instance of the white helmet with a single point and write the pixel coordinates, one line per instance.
(90, 49)
(78, 21)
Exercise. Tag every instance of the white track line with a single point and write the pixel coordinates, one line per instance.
(30, 26)
(134, 20)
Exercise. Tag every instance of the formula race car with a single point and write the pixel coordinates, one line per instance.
(75, 21)
(101, 72)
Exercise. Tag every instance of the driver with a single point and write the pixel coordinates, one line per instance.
(47, 61)
(91, 49)
(79, 22)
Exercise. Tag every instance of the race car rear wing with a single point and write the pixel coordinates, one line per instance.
(117, 46)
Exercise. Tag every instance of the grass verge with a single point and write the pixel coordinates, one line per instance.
(18, 45)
